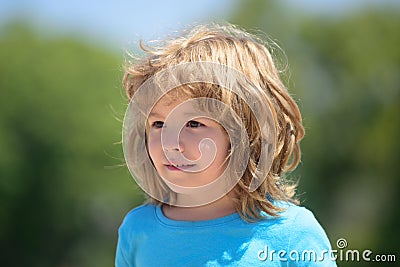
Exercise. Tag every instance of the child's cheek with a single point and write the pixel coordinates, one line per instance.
(154, 145)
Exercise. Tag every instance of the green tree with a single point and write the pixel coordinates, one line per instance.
(62, 194)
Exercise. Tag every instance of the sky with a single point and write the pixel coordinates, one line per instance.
(121, 23)
(116, 22)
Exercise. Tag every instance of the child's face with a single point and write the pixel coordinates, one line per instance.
(176, 148)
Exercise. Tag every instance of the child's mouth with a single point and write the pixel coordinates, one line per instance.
(179, 167)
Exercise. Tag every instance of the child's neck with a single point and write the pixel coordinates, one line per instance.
(217, 209)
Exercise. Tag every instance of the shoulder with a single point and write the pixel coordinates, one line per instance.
(301, 217)
(306, 237)
(301, 223)
(129, 233)
(143, 210)
(293, 215)
(138, 217)
(294, 225)
(297, 228)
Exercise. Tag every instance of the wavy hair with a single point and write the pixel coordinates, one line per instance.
(247, 53)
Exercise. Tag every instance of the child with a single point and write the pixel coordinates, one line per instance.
(209, 134)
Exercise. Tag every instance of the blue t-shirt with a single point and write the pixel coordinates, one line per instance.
(148, 238)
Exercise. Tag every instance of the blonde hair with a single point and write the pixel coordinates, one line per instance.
(237, 49)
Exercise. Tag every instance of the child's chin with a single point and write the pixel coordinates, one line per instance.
(196, 194)
(182, 187)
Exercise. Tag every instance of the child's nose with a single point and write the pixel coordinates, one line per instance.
(170, 141)
(168, 147)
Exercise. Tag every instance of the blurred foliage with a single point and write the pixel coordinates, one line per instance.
(62, 192)
(344, 73)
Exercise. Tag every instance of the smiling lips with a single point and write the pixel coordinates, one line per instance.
(178, 167)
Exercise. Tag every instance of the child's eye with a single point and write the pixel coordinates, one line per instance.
(194, 124)
(157, 124)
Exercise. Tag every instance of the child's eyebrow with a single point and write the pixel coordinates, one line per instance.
(192, 114)
(155, 114)
(198, 116)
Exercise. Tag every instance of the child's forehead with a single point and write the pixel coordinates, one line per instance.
(176, 96)
(167, 103)
(173, 102)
